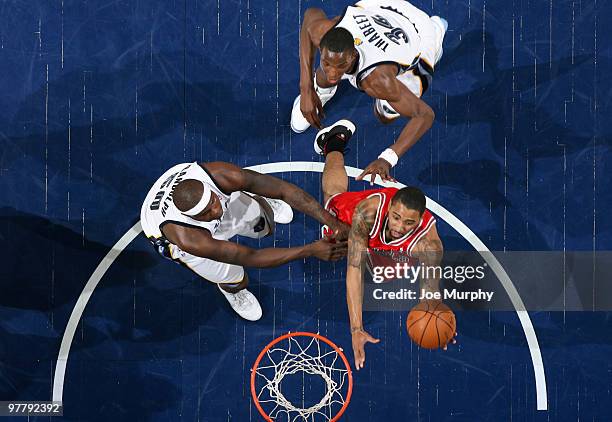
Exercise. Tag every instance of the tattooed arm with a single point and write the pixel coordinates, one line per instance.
(429, 250)
(363, 220)
(233, 178)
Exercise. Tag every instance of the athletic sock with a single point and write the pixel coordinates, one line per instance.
(336, 143)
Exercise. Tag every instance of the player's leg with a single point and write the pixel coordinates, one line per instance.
(274, 211)
(235, 287)
(331, 142)
(240, 299)
(384, 112)
(265, 225)
(231, 280)
(335, 179)
(254, 216)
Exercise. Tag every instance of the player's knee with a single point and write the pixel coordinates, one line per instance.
(236, 287)
(270, 224)
(265, 227)
(383, 119)
(384, 112)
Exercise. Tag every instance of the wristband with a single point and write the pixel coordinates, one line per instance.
(389, 156)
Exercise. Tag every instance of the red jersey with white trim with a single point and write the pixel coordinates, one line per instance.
(343, 206)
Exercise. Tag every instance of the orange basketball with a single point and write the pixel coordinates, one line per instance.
(431, 324)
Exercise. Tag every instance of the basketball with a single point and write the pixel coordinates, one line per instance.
(431, 324)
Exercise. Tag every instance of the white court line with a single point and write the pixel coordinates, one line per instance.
(79, 307)
(305, 166)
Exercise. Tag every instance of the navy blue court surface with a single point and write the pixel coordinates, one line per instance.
(98, 98)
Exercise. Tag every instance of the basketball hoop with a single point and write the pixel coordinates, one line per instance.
(314, 358)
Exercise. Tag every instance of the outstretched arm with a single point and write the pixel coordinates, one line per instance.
(363, 220)
(314, 26)
(383, 84)
(236, 179)
(429, 250)
(199, 242)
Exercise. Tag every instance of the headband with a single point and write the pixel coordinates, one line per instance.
(202, 203)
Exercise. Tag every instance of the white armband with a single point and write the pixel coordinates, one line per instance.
(389, 156)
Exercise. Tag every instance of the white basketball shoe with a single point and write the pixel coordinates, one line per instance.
(298, 122)
(283, 214)
(244, 303)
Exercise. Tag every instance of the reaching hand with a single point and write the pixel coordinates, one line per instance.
(328, 250)
(341, 231)
(453, 341)
(360, 338)
(311, 108)
(377, 167)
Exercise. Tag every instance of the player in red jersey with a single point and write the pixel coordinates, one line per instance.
(382, 219)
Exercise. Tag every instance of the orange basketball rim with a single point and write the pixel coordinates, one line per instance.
(308, 353)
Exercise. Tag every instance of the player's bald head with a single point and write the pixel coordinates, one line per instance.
(187, 194)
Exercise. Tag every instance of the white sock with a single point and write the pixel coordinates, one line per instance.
(230, 285)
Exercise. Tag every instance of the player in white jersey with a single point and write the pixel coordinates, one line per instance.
(193, 209)
(386, 48)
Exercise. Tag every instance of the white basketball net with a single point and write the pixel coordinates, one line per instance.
(294, 355)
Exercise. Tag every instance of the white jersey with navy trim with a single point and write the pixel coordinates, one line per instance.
(159, 209)
(242, 215)
(387, 32)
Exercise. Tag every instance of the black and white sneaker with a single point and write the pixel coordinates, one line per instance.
(342, 129)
